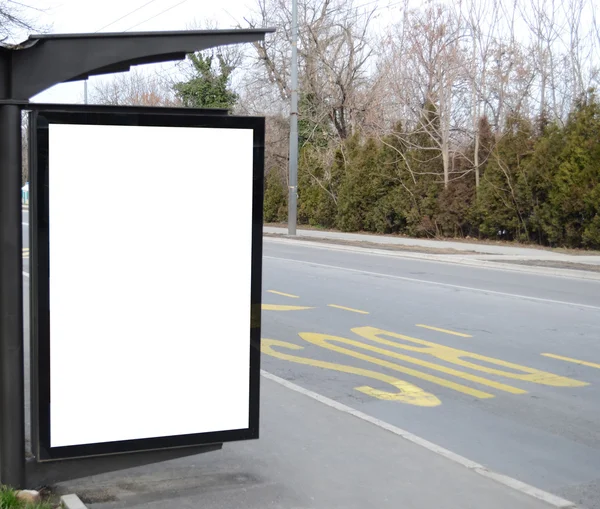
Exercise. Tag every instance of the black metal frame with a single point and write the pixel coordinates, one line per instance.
(40, 118)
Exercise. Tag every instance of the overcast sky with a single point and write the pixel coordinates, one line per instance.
(69, 16)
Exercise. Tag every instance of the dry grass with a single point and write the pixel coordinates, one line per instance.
(9, 500)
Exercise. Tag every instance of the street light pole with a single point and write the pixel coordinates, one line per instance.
(293, 159)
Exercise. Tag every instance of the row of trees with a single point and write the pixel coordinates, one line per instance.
(476, 118)
(535, 187)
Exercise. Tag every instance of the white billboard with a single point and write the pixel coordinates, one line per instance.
(150, 233)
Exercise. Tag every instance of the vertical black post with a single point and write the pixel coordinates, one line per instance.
(12, 398)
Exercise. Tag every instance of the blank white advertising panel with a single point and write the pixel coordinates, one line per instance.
(150, 256)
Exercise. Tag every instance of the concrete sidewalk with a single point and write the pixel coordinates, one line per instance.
(480, 251)
(310, 455)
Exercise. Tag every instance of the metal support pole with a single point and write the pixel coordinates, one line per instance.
(85, 92)
(12, 397)
(293, 185)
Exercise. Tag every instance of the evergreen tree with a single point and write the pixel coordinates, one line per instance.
(318, 186)
(393, 198)
(572, 211)
(275, 199)
(209, 86)
(505, 196)
(542, 188)
(359, 188)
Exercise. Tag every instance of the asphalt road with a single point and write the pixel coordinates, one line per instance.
(453, 354)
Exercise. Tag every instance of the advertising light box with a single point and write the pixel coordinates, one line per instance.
(147, 245)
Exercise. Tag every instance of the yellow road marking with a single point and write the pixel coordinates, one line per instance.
(408, 393)
(322, 340)
(348, 309)
(279, 307)
(446, 331)
(284, 294)
(455, 356)
(575, 361)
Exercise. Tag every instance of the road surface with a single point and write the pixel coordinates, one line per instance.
(479, 361)
(500, 367)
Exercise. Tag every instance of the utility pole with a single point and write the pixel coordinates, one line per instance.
(293, 159)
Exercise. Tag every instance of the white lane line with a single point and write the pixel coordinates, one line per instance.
(549, 498)
(436, 283)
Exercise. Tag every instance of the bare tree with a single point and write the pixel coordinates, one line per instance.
(334, 53)
(435, 79)
(17, 17)
(134, 88)
(482, 21)
(545, 28)
(427, 63)
(579, 51)
(273, 54)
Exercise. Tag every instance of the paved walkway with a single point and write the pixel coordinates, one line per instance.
(481, 251)
(310, 455)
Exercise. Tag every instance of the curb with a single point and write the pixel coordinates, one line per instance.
(505, 480)
(451, 259)
(72, 502)
(491, 248)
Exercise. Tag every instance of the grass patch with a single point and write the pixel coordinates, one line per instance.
(9, 500)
